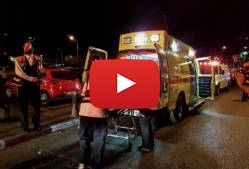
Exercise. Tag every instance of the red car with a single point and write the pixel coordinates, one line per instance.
(57, 83)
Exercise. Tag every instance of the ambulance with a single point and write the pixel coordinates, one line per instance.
(220, 71)
(182, 87)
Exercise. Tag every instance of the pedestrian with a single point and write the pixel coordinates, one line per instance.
(241, 75)
(28, 68)
(245, 86)
(147, 123)
(242, 78)
(92, 130)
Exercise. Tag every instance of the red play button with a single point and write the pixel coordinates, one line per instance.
(129, 84)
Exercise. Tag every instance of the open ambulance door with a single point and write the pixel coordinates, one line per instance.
(205, 78)
(93, 54)
(164, 85)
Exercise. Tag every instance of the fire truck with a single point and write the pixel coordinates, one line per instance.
(182, 86)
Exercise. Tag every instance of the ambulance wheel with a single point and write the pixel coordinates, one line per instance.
(180, 111)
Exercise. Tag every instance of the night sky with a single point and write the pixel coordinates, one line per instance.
(204, 25)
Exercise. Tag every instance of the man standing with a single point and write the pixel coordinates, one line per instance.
(29, 68)
(92, 130)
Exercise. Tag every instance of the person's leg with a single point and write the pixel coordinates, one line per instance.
(244, 96)
(36, 103)
(98, 144)
(85, 135)
(23, 103)
(146, 133)
(148, 126)
(153, 126)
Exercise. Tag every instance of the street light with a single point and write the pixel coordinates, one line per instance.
(72, 38)
(74, 95)
(224, 47)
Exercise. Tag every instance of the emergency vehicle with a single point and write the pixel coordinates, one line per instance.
(182, 87)
(220, 71)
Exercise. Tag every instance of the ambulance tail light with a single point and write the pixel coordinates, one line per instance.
(204, 63)
(215, 63)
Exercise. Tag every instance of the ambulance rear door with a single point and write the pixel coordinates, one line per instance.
(205, 78)
(93, 53)
(164, 77)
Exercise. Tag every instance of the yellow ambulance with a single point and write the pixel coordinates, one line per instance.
(182, 88)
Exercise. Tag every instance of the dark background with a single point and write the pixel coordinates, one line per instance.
(205, 25)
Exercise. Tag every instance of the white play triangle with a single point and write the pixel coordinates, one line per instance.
(123, 83)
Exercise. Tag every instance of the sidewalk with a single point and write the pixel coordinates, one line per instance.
(52, 120)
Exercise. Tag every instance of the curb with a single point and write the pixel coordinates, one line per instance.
(11, 141)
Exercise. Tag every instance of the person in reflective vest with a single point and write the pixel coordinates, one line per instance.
(242, 78)
(92, 130)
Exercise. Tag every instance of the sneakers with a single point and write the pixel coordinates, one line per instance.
(26, 132)
(81, 166)
(143, 149)
(38, 128)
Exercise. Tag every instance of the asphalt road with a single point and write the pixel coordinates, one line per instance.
(215, 137)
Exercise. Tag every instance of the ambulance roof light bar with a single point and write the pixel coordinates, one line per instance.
(142, 38)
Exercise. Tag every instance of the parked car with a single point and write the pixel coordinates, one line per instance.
(6, 72)
(57, 83)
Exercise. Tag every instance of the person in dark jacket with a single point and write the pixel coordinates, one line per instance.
(29, 68)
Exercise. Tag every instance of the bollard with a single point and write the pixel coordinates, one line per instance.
(74, 104)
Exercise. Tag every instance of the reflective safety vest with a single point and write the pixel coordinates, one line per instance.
(86, 107)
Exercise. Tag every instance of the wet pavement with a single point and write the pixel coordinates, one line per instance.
(52, 118)
(214, 138)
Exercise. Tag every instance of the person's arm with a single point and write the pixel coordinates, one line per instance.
(19, 72)
(84, 89)
(40, 69)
